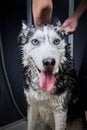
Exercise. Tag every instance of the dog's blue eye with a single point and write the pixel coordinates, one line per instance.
(56, 41)
(35, 42)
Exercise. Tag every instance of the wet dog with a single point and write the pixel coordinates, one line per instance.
(49, 75)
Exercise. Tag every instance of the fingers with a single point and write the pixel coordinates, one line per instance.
(66, 23)
(68, 29)
(67, 26)
(70, 25)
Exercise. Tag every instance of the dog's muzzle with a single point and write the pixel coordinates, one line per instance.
(47, 78)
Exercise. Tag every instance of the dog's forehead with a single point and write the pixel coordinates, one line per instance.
(46, 31)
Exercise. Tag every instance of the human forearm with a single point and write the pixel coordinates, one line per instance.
(82, 7)
(42, 11)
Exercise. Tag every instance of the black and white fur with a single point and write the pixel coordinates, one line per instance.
(39, 43)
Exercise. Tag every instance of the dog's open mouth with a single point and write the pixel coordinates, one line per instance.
(46, 80)
(46, 77)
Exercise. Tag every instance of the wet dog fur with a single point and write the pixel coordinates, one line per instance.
(47, 42)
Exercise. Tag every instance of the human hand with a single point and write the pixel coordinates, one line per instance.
(70, 24)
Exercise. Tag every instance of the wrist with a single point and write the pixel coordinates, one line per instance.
(77, 15)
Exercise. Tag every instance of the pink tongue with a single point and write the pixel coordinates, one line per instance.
(46, 81)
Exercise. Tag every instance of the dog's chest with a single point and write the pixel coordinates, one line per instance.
(53, 103)
(45, 111)
(47, 108)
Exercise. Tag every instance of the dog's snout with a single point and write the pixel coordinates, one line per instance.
(49, 63)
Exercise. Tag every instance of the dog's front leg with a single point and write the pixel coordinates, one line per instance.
(32, 117)
(60, 119)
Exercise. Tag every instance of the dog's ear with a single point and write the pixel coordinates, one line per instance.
(22, 35)
(56, 22)
(25, 33)
(58, 28)
(60, 32)
(24, 26)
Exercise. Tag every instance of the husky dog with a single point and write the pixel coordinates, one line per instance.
(49, 75)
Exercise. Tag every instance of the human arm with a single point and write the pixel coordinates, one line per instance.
(71, 23)
(42, 11)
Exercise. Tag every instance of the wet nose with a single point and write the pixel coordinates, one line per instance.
(49, 63)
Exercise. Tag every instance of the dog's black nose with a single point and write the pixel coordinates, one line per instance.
(49, 63)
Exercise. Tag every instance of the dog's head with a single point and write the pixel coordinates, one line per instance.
(45, 46)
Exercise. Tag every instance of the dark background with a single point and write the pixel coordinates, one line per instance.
(11, 16)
